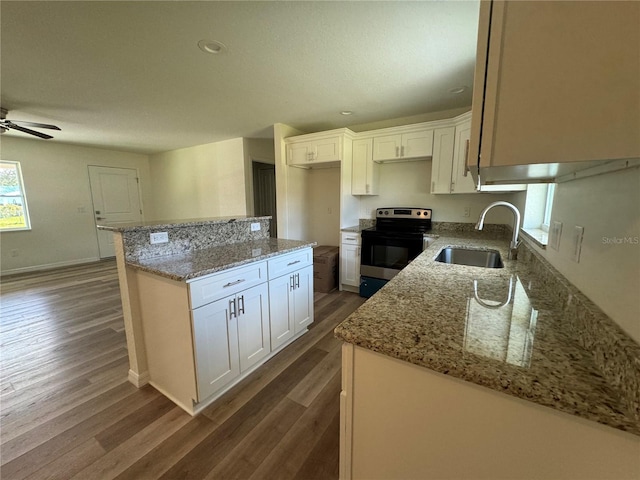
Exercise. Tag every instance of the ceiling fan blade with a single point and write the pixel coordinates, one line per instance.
(13, 126)
(34, 125)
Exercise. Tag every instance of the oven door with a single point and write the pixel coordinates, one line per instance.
(384, 254)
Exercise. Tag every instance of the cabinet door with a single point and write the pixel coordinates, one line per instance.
(301, 305)
(364, 180)
(461, 183)
(441, 166)
(417, 144)
(253, 325)
(299, 153)
(281, 320)
(350, 265)
(387, 147)
(561, 85)
(327, 150)
(215, 337)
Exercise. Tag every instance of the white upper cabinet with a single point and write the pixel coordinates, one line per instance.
(449, 166)
(441, 167)
(365, 177)
(556, 82)
(400, 144)
(315, 148)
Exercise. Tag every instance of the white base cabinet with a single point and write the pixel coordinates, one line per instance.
(399, 420)
(350, 261)
(204, 336)
(291, 305)
(215, 339)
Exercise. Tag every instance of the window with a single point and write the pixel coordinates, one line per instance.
(537, 212)
(546, 219)
(14, 214)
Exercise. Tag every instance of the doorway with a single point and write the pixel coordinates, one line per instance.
(116, 199)
(264, 193)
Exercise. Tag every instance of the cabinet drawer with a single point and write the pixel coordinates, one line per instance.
(229, 282)
(351, 238)
(290, 262)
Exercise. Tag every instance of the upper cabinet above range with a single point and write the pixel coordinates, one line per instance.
(318, 148)
(556, 82)
(402, 143)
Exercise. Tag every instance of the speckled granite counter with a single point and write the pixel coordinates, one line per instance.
(154, 225)
(517, 330)
(197, 263)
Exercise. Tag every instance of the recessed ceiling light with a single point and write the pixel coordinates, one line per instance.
(458, 90)
(212, 46)
(346, 112)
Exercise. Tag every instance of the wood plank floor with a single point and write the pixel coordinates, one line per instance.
(68, 411)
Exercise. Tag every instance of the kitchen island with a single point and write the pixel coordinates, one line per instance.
(209, 303)
(454, 371)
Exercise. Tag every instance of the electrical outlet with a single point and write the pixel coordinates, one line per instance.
(554, 235)
(467, 212)
(578, 233)
(159, 237)
(255, 227)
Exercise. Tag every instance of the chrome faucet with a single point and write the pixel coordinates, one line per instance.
(516, 227)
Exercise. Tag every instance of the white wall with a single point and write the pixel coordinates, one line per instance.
(407, 184)
(202, 181)
(323, 205)
(56, 180)
(608, 207)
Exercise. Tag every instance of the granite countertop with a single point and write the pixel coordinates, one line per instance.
(188, 266)
(191, 222)
(451, 319)
(354, 229)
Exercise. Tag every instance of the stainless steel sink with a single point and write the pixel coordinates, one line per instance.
(471, 257)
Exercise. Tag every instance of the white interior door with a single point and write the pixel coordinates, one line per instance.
(116, 199)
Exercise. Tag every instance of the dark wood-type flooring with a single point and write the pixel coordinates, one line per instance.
(68, 410)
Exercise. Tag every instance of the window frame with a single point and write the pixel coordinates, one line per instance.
(548, 207)
(23, 197)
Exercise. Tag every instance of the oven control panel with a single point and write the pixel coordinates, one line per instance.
(400, 212)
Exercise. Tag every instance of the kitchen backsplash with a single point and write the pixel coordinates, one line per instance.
(183, 239)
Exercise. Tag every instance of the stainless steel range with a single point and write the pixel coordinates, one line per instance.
(397, 238)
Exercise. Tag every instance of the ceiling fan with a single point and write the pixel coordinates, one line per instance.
(22, 126)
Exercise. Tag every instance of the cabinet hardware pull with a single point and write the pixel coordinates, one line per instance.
(433, 186)
(232, 308)
(357, 251)
(291, 282)
(367, 188)
(466, 159)
(230, 284)
(350, 238)
(397, 151)
(241, 305)
(297, 280)
(402, 151)
(292, 263)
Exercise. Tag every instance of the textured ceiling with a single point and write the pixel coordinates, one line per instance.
(129, 75)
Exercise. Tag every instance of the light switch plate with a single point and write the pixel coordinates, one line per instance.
(554, 235)
(158, 237)
(255, 227)
(578, 233)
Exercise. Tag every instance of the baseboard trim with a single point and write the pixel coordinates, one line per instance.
(48, 266)
(138, 379)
